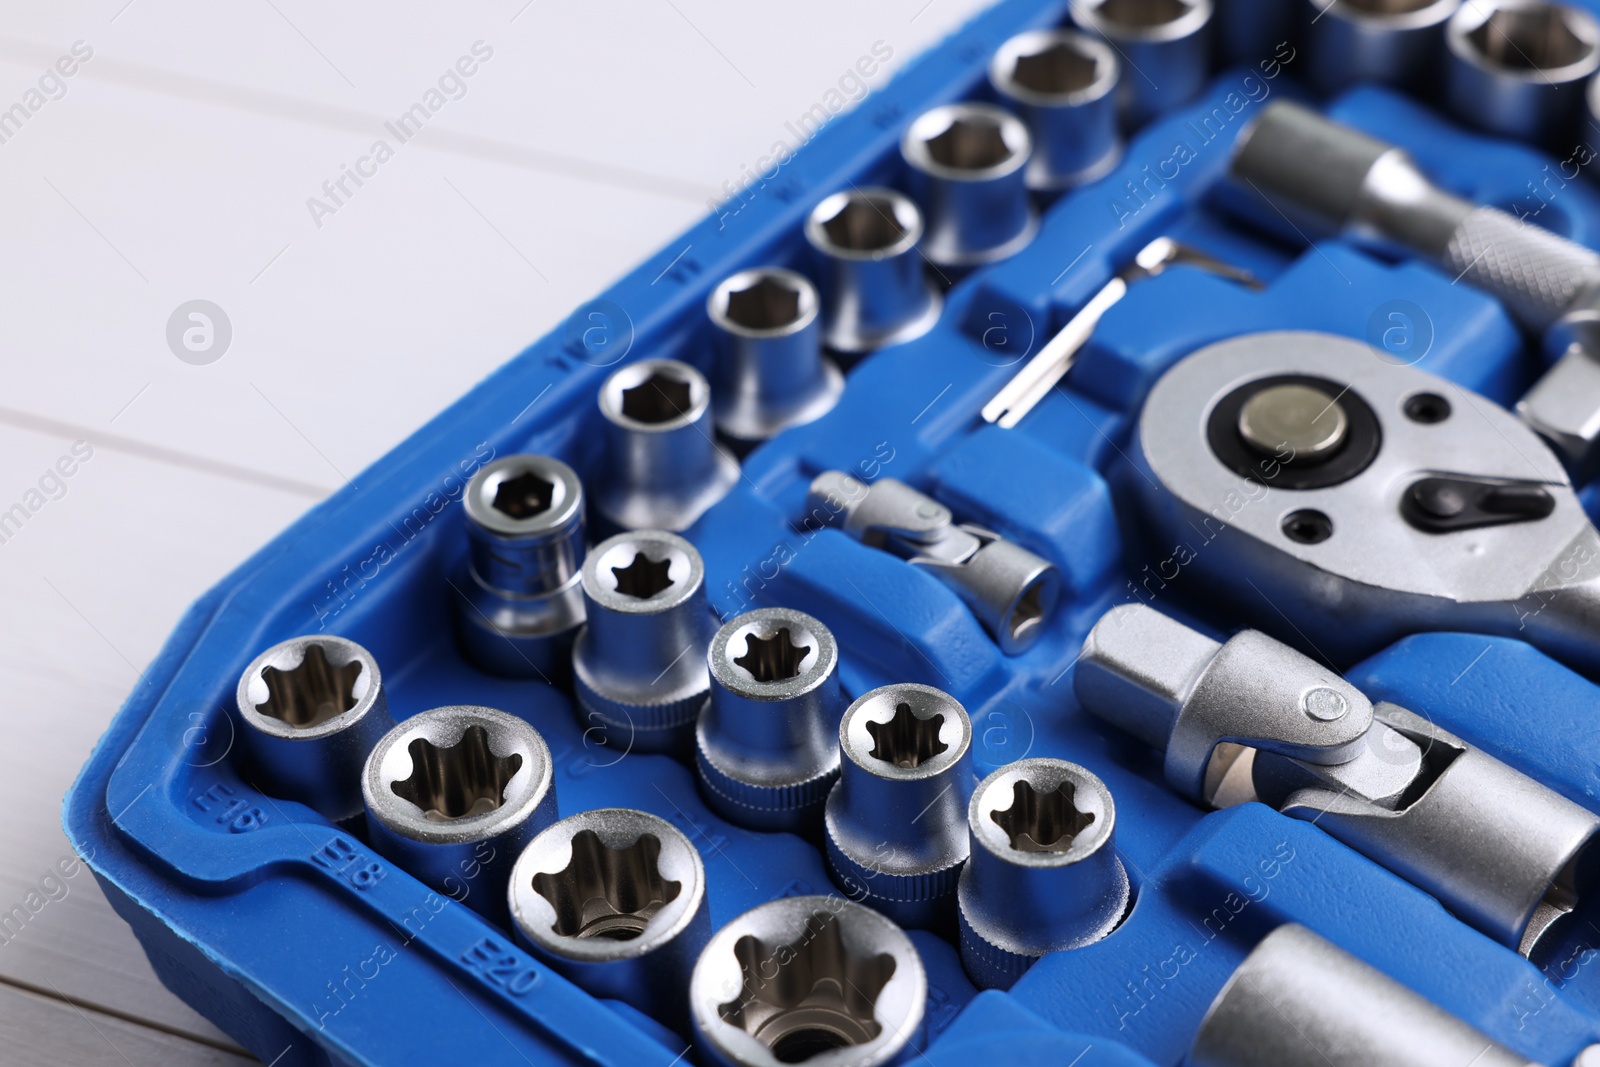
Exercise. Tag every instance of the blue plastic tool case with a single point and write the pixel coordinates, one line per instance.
(294, 937)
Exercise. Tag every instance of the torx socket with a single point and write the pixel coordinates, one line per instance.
(1517, 68)
(615, 900)
(874, 292)
(1166, 45)
(766, 744)
(639, 663)
(770, 372)
(896, 822)
(1062, 83)
(310, 709)
(520, 599)
(968, 165)
(1392, 42)
(454, 794)
(1043, 875)
(803, 977)
(662, 467)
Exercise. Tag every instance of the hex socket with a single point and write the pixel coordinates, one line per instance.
(968, 166)
(1517, 68)
(1398, 44)
(874, 292)
(1043, 875)
(520, 600)
(615, 900)
(454, 794)
(311, 708)
(896, 822)
(1172, 37)
(1062, 83)
(639, 663)
(662, 467)
(766, 748)
(769, 368)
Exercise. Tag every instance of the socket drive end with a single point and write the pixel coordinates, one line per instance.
(874, 293)
(615, 900)
(1349, 41)
(454, 794)
(1517, 68)
(1172, 36)
(1137, 669)
(1062, 85)
(663, 469)
(766, 747)
(770, 370)
(1012, 591)
(310, 709)
(639, 663)
(800, 977)
(896, 823)
(520, 600)
(1043, 875)
(969, 173)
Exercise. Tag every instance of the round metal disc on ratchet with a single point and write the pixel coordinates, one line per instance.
(1297, 419)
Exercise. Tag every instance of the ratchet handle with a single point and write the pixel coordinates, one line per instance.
(1538, 275)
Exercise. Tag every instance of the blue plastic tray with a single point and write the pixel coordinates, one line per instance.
(290, 933)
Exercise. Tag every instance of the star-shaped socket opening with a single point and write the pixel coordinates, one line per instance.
(1537, 38)
(1055, 71)
(905, 740)
(864, 225)
(972, 142)
(452, 783)
(1144, 13)
(1028, 614)
(524, 496)
(644, 577)
(769, 304)
(819, 997)
(608, 893)
(1043, 822)
(659, 398)
(312, 693)
(773, 659)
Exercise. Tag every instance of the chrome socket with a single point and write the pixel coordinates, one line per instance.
(969, 173)
(521, 600)
(1517, 68)
(615, 900)
(770, 371)
(766, 748)
(896, 821)
(1062, 84)
(1394, 42)
(874, 292)
(808, 976)
(1043, 875)
(663, 469)
(1171, 39)
(454, 794)
(639, 663)
(311, 708)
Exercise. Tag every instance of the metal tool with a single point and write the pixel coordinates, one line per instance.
(1329, 178)
(1166, 45)
(1394, 42)
(765, 745)
(615, 900)
(1022, 393)
(639, 663)
(1012, 592)
(454, 794)
(770, 372)
(1430, 509)
(897, 820)
(1503, 852)
(800, 977)
(969, 173)
(662, 468)
(310, 709)
(870, 272)
(1043, 875)
(1518, 68)
(1298, 998)
(518, 598)
(1061, 83)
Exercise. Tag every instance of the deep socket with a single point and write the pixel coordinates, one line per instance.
(1063, 85)
(1166, 45)
(870, 272)
(969, 174)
